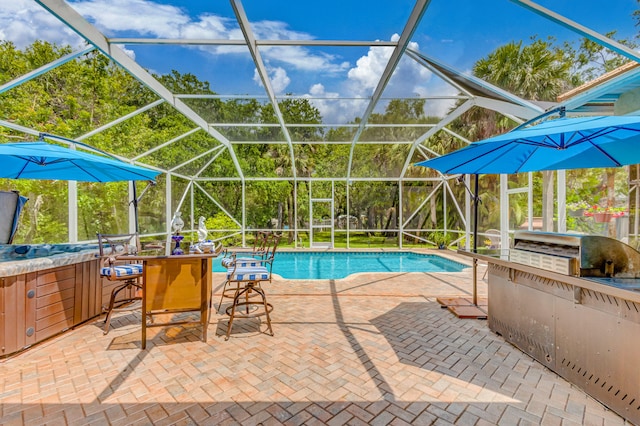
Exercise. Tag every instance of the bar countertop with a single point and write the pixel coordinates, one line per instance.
(628, 289)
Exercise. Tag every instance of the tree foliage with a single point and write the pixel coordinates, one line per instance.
(84, 94)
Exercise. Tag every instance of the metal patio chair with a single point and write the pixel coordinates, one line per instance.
(247, 275)
(261, 247)
(126, 275)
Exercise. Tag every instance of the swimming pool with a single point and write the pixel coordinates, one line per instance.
(334, 265)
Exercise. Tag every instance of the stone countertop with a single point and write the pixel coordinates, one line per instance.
(16, 264)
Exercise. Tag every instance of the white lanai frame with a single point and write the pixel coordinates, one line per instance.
(410, 27)
(75, 21)
(262, 71)
(474, 92)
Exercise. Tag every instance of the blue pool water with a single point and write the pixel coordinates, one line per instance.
(334, 265)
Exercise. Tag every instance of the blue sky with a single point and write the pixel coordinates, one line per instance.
(457, 32)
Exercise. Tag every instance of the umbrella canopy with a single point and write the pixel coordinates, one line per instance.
(41, 160)
(565, 143)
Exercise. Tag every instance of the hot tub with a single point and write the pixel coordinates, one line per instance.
(9, 252)
(46, 289)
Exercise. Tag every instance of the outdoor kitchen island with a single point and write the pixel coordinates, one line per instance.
(577, 311)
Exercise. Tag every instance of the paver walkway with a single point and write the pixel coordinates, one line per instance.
(372, 349)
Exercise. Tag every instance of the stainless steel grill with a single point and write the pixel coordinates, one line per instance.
(578, 325)
(578, 255)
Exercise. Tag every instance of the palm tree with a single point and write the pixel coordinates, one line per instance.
(537, 71)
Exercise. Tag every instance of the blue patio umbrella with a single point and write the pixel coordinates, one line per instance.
(41, 160)
(564, 143)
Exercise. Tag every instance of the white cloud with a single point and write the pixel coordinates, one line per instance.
(366, 74)
(142, 16)
(130, 53)
(324, 106)
(278, 78)
(333, 108)
(409, 79)
(277, 30)
(301, 59)
(24, 21)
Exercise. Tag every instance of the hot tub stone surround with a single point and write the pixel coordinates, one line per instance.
(16, 259)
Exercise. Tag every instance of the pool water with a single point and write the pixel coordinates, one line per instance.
(334, 265)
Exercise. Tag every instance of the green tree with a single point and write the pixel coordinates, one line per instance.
(538, 71)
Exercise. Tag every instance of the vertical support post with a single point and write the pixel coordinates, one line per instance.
(244, 213)
(295, 213)
(333, 213)
(401, 221)
(476, 201)
(504, 212)
(72, 206)
(562, 200)
(467, 213)
(192, 202)
(548, 198)
(310, 216)
(168, 214)
(636, 218)
(73, 211)
(530, 201)
(348, 212)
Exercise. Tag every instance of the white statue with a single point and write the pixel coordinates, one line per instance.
(177, 223)
(202, 230)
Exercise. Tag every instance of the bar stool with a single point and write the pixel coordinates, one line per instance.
(264, 247)
(248, 292)
(126, 274)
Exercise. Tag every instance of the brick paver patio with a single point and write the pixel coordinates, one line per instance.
(372, 349)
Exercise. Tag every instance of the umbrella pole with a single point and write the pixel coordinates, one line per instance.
(475, 241)
(135, 207)
(136, 199)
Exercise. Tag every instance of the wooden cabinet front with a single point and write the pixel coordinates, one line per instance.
(37, 305)
(174, 284)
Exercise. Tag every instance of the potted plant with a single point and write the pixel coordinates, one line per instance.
(577, 209)
(604, 214)
(440, 239)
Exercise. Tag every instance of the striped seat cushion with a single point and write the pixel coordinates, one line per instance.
(122, 270)
(258, 273)
(242, 262)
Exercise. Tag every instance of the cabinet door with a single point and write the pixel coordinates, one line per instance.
(173, 284)
(55, 301)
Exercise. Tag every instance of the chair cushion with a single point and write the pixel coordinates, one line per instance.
(258, 273)
(122, 270)
(242, 262)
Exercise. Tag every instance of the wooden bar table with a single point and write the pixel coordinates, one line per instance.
(175, 284)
